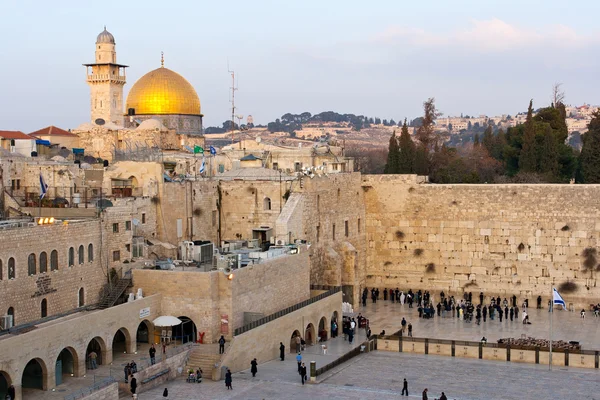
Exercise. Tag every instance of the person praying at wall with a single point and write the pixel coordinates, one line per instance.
(385, 294)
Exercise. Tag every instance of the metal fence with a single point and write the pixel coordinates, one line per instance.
(285, 311)
(351, 354)
(91, 389)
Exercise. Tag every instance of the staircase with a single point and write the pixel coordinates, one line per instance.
(117, 291)
(204, 356)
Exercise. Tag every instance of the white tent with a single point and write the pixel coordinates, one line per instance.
(166, 320)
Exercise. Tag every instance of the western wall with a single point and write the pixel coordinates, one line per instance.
(500, 239)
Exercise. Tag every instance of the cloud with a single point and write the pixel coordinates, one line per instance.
(485, 36)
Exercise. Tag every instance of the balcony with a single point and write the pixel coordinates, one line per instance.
(106, 78)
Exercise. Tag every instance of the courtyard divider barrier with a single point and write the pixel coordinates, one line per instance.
(489, 351)
(91, 389)
(285, 311)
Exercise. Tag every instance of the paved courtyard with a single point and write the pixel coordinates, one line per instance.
(566, 325)
(378, 375)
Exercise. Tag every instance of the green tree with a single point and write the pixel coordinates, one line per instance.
(498, 145)
(393, 159)
(488, 139)
(589, 159)
(527, 157)
(421, 160)
(476, 140)
(407, 151)
(548, 162)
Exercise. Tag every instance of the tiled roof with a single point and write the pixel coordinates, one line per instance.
(52, 131)
(15, 135)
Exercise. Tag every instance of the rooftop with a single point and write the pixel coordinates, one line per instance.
(52, 131)
(18, 135)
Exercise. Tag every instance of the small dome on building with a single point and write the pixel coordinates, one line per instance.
(105, 37)
(151, 124)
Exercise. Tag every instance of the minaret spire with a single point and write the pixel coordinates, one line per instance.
(162, 59)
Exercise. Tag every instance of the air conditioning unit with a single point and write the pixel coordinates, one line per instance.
(6, 322)
(280, 242)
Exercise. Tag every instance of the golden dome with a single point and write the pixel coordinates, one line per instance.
(161, 92)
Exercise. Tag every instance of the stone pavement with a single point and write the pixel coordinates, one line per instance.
(378, 375)
(566, 325)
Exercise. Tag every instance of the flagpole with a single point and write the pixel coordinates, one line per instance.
(551, 315)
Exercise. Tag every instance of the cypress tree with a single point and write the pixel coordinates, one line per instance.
(488, 139)
(527, 157)
(407, 151)
(498, 145)
(421, 161)
(393, 159)
(589, 159)
(476, 140)
(549, 154)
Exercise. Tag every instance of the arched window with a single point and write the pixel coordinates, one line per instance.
(81, 255)
(267, 203)
(54, 260)
(71, 256)
(43, 262)
(31, 268)
(81, 298)
(11, 268)
(44, 308)
(11, 312)
(90, 252)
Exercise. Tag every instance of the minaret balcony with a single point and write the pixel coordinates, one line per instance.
(106, 78)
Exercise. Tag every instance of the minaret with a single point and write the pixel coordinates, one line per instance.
(106, 79)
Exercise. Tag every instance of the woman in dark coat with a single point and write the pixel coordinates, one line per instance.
(228, 380)
(281, 351)
(254, 368)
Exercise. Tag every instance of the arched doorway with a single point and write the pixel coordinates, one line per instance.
(293, 346)
(66, 365)
(5, 382)
(186, 331)
(97, 346)
(323, 329)
(335, 324)
(309, 334)
(121, 342)
(34, 378)
(144, 332)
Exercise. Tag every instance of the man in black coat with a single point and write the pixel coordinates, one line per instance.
(484, 311)
(506, 312)
(303, 373)
(480, 297)
(512, 313)
(281, 351)
(254, 367)
(133, 383)
(404, 388)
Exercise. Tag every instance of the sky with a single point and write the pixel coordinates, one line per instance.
(376, 58)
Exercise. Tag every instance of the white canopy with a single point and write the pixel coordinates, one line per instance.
(166, 320)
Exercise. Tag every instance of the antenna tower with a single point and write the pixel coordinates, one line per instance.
(233, 89)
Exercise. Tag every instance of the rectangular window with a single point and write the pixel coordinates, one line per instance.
(318, 232)
(116, 228)
(275, 166)
(358, 225)
(116, 255)
(333, 231)
(143, 218)
(18, 184)
(127, 225)
(346, 230)
(128, 247)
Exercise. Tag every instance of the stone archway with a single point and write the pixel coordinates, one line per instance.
(293, 347)
(121, 343)
(186, 331)
(67, 364)
(323, 330)
(34, 378)
(97, 346)
(5, 382)
(309, 334)
(145, 332)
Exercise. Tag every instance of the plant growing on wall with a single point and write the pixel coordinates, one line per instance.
(399, 235)
(567, 287)
(197, 211)
(430, 268)
(418, 252)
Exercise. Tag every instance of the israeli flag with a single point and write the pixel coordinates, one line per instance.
(203, 166)
(213, 151)
(557, 299)
(43, 187)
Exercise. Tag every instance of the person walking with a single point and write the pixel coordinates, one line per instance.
(228, 380)
(484, 312)
(254, 368)
(299, 361)
(281, 351)
(166, 393)
(221, 344)
(152, 352)
(93, 356)
(409, 329)
(512, 313)
(425, 394)
(443, 397)
(403, 324)
(404, 388)
(133, 384)
(303, 373)
(127, 371)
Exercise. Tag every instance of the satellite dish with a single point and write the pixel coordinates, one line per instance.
(99, 121)
(136, 222)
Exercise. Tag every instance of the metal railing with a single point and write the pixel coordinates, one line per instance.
(351, 354)
(285, 311)
(91, 389)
